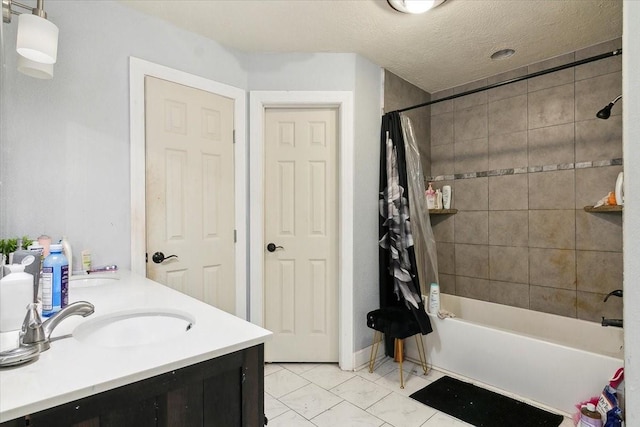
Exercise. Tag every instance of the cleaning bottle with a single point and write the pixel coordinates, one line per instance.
(55, 281)
(16, 293)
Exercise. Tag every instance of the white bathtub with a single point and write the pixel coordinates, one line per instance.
(553, 360)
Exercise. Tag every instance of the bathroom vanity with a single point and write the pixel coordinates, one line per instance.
(134, 363)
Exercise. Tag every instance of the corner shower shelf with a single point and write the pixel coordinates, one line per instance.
(616, 208)
(443, 211)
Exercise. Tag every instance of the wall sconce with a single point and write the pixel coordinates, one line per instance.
(37, 39)
(605, 113)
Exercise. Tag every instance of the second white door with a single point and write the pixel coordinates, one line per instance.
(301, 223)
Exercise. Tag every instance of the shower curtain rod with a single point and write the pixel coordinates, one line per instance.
(517, 79)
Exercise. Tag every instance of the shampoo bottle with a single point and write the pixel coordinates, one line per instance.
(434, 298)
(16, 293)
(446, 197)
(55, 281)
(438, 199)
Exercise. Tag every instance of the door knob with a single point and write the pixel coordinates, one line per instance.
(158, 257)
(271, 247)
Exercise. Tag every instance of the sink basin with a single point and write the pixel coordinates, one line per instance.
(88, 281)
(136, 327)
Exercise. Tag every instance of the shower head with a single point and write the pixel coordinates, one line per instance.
(605, 113)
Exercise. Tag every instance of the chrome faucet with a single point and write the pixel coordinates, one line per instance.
(612, 322)
(35, 332)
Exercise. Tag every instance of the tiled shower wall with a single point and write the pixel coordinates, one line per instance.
(523, 160)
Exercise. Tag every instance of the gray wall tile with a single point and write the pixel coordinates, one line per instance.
(509, 192)
(598, 231)
(509, 228)
(470, 123)
(446, 258)
(552, 300)
(552, 229)
(479, 98)
(513, 294)
(471, 155)
(551, 145)
(552, 190)
(442, 160)
(599, 272)
(442, 129)
(472, 194)
(508, 90)
(558, 131)
(509, 264)
(447, 283)
(472, 261)
(599, 139)
(472, 227)
(508, 150)
(558, 78)
(443, 227)
(554, 268)
(553, 106)
(508, 115)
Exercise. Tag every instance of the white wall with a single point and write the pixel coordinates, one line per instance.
(67, 139)
(66, 155)
(631, 229)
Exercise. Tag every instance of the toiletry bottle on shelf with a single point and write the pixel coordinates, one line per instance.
(434, 298)
(55, 280)
(66, 250)
(446, 197)
(16, 292)
(438, 199)
(431, 197)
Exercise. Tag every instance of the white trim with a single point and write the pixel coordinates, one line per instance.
(138, 69)
(343, 100)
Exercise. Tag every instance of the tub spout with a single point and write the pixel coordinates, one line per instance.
(616, 293)
(612, 322)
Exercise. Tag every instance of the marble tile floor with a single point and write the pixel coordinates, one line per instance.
(322, 395)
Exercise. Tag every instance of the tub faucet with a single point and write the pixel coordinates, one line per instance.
(36, 332)
(612, 322)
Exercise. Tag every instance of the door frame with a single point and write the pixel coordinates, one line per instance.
(343, 102)
(138, 69)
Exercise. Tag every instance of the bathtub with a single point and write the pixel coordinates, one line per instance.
(552, 360)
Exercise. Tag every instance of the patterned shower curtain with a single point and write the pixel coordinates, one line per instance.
(399, 283)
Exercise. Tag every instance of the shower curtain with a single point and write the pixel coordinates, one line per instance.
(399, 279)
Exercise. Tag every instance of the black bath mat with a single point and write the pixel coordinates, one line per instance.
(481, 407)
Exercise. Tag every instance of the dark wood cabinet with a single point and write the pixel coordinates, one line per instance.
(226, 391)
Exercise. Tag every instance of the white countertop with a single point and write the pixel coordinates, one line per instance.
(72, 369)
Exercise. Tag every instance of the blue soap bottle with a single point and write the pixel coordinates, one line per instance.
(55, 281)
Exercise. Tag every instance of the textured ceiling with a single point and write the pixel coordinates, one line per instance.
(445, 47)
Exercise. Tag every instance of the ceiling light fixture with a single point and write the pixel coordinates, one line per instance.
(37, 39)
(502, 54)
(414, 6)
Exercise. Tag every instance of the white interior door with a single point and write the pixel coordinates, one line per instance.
(301, 221)
(190, 191)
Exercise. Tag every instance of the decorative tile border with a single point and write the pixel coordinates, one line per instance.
(525, 169)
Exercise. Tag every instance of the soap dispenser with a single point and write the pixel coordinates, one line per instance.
(16, 293)
(431, 197)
